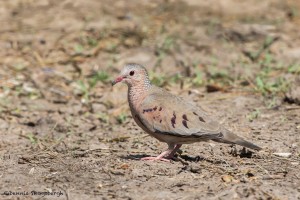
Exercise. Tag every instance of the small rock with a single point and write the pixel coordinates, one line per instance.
(3, 124)
(31, 171)
(293, 53)
(97, 107)
(285, 155)
(212, 145)
(293, 95)
(294, 145)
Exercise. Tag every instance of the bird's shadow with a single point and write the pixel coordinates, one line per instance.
(242, 153)
(190, 158)
(134, 156)
(176, 157)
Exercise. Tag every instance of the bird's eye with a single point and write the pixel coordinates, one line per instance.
(131, 73)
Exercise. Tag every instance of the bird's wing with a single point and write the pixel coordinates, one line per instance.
(162, 112)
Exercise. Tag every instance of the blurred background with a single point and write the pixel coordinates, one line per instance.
(57, 58)
(63, 49)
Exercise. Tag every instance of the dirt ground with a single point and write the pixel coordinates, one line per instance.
(64, 129)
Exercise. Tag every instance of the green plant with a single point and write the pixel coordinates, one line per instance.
(294, 68)
(177, 77)
(267, 81)
(121, 118)
(32, 138)
(92, 42)
(101, 76)
(198, 79)
(254, 56)
(104, 117)
(84, 89)
(266, 86)
(293, 12)
(220, 76)
(78, 48)
(283, 118)
(253, 115)
(157, 79)
(165, 48)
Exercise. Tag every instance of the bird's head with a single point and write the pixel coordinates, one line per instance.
(133, 74)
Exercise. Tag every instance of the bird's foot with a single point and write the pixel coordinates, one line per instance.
(164, 156)
(158, 158)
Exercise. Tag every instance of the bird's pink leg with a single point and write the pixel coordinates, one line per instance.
(166, 155)
(160, 157)
(171, 155)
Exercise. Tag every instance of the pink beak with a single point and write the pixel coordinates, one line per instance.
(117, 80)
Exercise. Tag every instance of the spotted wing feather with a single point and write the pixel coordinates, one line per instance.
(164, 113)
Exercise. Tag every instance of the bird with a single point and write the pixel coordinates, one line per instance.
(168, 117)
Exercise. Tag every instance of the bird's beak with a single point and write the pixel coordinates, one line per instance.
(117, 80)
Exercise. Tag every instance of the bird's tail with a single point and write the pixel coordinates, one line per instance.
(230, 138)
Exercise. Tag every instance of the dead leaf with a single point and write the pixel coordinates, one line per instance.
(227, 178)
(124, 166)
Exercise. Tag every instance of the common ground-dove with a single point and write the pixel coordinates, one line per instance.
(169, 118)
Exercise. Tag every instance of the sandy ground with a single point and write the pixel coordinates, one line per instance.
(67, 134)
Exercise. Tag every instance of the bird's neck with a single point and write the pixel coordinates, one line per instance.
(137, 93)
